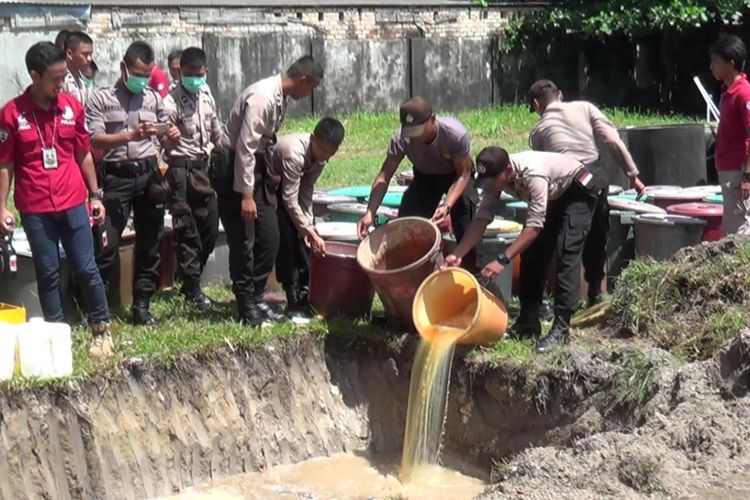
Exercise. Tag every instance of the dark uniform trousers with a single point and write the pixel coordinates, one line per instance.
(253, 245)
(423, 196)
(595, 248)
(129, 185)
(195, 217)
(565, 230)
(292, 262)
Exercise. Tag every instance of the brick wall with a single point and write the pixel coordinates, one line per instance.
(354, 24)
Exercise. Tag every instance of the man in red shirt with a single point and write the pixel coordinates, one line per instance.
(45, 145)
(159, 81)
(728, 56)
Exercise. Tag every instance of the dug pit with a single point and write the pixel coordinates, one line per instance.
(567, 424)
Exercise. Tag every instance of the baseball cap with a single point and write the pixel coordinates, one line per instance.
(414, 114)
(539, 89)
(491, 161)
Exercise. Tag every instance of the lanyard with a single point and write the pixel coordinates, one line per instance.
(39, 130)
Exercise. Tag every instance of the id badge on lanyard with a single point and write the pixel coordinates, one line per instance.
(49, 153)
(49, 158)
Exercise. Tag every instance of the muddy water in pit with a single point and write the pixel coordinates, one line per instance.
(428, 393)
(340, 476)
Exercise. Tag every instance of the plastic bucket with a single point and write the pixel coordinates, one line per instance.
(338, 285)
(34, 348)
(397, 258)
(661, 236)
(709, 212)
(620, 244)
(450, 293)
(338, 231)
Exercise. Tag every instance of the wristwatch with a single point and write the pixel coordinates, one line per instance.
(503, 259)
(97, 195)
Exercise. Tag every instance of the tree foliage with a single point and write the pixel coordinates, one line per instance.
(586, 19)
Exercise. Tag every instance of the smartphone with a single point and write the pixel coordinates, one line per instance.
(161, 128)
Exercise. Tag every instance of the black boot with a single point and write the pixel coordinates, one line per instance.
(249, 312)
(195, 297)
(595, 294)
(558, 334)
(524, 329)
(141, 314)
(297, 300)
(268, 312)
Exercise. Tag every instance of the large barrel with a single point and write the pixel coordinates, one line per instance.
(338, 285)
(661, 236)
(665, 154)
(397, 257)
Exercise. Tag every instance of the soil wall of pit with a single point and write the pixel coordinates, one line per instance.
(153, 430)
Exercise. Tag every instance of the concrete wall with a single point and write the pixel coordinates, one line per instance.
(374, 58)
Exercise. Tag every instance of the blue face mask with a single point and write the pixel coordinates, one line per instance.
(193, 84)
(135, 84)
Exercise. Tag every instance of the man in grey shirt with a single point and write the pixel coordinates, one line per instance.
(439, 148)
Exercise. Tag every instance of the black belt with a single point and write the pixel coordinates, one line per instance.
(188, 163)
(130, 168)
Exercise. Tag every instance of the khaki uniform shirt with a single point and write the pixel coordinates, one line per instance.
(75, 87)
(574, 128)
(291, 160)
(196, 117)
(112, 110)
(539, 177)
(252, 125)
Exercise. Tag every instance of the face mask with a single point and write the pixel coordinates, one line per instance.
(193, 84)
(87, 82)
(135, 84)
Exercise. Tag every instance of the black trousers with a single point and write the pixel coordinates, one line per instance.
(292, 262)
(565, 230)
(423, 196)
(123, 192)
(253, 245)
(595, 248)
(195, 220)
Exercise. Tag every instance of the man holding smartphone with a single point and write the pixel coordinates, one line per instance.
(129, 122)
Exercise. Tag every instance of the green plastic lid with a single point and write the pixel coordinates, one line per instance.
(391, 199)
(353, 191)
(715, 198)
(629, 196)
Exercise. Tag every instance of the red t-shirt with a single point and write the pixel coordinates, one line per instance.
(731, 140)
(159, 81)
(40, 190)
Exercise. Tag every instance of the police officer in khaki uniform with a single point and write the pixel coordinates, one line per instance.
(561, 193)
(79, 55)
(127, 121)
(297, 161)
(247, 202)
(195, 216)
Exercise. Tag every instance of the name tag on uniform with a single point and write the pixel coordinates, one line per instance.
(49, 158)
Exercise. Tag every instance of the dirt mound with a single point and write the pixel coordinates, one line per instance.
(693, 437)
(691, 304)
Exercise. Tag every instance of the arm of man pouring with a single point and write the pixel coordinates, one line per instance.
(485, 214)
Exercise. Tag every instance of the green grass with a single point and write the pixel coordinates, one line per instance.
(636, 381)
(368, 135)
(185, 331)
(689, 306)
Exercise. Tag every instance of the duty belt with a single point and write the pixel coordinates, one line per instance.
(189, 164)
(130, 168)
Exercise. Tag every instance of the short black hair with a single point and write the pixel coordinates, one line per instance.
(330, 130)
(193, 57)
(75, 39)
(492, 161)
(61, 37)
(174, 55)
(42, 55)
(139, 50)
(305, 66)
(731, 48)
